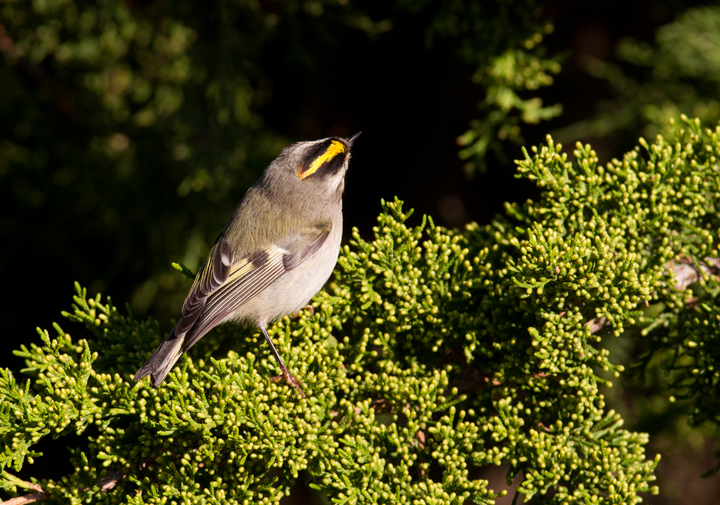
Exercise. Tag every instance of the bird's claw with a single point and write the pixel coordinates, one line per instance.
(291, 380)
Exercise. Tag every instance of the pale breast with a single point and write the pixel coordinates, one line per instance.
(294, 289)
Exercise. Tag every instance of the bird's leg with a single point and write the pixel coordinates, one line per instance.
(289, 378)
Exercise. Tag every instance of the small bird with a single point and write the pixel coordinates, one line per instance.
(276, 252)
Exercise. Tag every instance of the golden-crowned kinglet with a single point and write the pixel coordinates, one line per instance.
(276, 252)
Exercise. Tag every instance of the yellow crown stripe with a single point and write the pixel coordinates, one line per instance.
(332, 151)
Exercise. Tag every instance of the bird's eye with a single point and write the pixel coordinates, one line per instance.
(326, 157)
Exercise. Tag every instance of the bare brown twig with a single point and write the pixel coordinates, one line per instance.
(685, 273)
(28, 498)
(105, 484)
(40, 495)
(109, 481)
(597, 323)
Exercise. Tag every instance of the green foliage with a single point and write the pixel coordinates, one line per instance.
(433, 353)
(508, 78)
(659, 201)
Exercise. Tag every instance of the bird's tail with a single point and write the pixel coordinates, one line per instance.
(160, 363)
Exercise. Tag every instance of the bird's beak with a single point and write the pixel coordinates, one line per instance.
(350, 141)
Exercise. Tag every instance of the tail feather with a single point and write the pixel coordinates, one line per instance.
(162, 361)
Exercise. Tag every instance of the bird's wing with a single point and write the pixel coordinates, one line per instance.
(226, 283)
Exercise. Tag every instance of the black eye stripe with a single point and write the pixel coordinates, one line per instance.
(316, 151)
(324, 158)
(330, 167)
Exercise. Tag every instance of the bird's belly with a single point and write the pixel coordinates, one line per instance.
(293, 290)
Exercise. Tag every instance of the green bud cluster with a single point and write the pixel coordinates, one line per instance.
(433, 353)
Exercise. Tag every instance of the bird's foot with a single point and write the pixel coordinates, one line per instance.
(290, 379)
